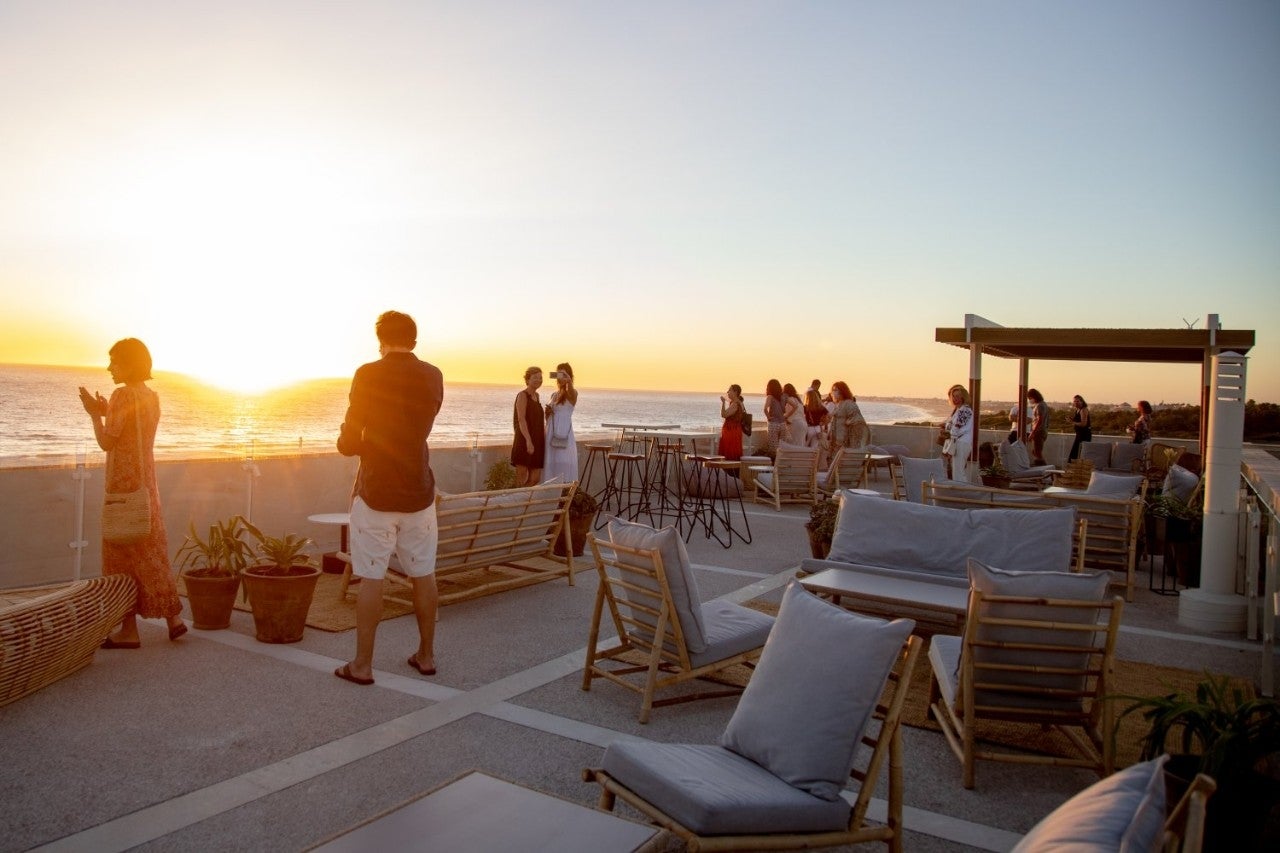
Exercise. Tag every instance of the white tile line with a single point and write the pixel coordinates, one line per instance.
(450, 705)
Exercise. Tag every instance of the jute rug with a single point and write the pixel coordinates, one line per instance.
(331, 612)
(1131, 679)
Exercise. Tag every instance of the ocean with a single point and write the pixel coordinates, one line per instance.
(42, 422)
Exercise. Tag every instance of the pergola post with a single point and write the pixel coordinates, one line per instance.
(1215, 606)
(975, 400)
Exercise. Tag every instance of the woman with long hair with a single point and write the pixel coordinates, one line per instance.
(1141, 428)
(125, 427)
(1080, 423)
(528, 448)
(957, 430)
(1039, 427)
(774, 413)
(731, 408)
(848, 427)
(815, 415)
(562, 448)
(793, 413)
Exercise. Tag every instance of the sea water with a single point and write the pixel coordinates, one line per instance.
(43, 423)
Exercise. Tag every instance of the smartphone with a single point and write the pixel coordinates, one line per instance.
(555, 374)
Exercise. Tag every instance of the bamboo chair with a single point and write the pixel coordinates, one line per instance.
(793, 477)
(653, 602)
(911, 475)
(1184, 826)
(1045, 661)
(772, 801)
(848, 470)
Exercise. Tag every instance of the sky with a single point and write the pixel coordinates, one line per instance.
(668, 195)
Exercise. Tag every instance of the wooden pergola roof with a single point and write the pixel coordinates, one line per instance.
(1166, 346)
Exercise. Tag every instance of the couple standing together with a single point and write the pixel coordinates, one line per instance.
(544, 448)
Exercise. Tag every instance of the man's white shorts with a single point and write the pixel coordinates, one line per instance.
(375, 535)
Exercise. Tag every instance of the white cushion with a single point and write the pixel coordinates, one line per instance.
(1113, 485)
(1123, 812)
(1180, 483)
(680, 579)
(803, 668)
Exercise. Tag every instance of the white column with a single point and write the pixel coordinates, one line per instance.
(1215, 605)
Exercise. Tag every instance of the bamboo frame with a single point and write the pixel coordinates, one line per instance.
(848, 470)
(57, 631)
(795, 477)
(885, 746)
(646, 624)
(1114, 523)
(1184, 826)
(1081, 714)
(513, 528)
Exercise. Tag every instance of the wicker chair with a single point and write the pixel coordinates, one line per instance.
(56, 630)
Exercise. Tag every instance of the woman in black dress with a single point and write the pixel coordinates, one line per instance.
(528, 450)
(1079, 422)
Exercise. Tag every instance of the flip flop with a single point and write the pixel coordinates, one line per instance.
(109, 643)
(344, 672)
(175, 633)
(413, 662)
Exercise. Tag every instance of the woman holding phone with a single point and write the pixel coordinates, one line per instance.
(562, 448)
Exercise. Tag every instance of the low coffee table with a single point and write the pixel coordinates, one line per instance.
(479, 813)
(881, 595)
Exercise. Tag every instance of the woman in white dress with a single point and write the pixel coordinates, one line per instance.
(793, 410)
(562, 449)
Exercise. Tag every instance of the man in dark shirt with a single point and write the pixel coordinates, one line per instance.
(393, 404)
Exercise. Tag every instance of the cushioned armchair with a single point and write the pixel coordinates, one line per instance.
(665, 634)
(848, 470)
(771, 783)
(793, 477)
(1016, 460)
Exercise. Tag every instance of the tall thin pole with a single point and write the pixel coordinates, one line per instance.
(79, 543)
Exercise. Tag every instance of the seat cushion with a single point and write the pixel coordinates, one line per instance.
(1113, 485)
(807, 665)
(680, 579)
(730, 629)
(1180, 483)
(916, 472)
(714, 791)
(1123, 812)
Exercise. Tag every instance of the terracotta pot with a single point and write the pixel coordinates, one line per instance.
(579, 526)
(212, 599)
(280, 602)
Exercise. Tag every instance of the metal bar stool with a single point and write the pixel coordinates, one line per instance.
(697, 500)
(601, 452)
(627, 488)
(726, 489)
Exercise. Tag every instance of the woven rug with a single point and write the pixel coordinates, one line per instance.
(1131, 679)
(330, 612)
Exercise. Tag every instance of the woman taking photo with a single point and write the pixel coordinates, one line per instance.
(528, 449)
(562, 448)
(730, 446)
(125, 427)
(957, 430)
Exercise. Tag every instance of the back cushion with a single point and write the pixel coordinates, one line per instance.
(1113, 485)
(916, 472)
(675, 561)
(1097, 452)
(1123, 456)
(1014, 456)
(1180, 483)
(875, 532)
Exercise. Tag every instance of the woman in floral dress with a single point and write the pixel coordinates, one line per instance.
(125, 427)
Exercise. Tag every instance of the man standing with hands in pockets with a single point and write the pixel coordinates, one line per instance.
(393, 405)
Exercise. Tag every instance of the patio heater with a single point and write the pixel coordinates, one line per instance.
(1215, 606)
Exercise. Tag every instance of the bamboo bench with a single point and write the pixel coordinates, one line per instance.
(512, 529)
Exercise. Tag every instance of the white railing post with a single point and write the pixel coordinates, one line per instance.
(251, 471)
(80, 475)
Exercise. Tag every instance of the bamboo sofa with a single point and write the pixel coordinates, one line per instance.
(50, 632)
(905, 559)
(511, 532)
(1114, 521)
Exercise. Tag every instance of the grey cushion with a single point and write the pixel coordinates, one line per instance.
(1180, 483)
(807, 664)
(916, 472)
(1124, 456)
(730, 629)
(716, 792)
(1097, 452)
(1124, 812)
(925, 538)
(1067, 585)
(1113, 485)
(680, 579)
(1014, 456)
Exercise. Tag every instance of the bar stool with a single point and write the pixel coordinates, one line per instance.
(696, 500)
(627, 487)
(665, 482)
(594, 452)
(724, 485)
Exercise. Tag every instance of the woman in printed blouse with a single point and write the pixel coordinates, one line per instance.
(958, 428)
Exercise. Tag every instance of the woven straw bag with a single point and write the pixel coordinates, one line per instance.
(126, 516)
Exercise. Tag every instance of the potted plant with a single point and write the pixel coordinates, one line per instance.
(1231, 736)
(501, 475)
(214, 564)
(995, 475)
(822, 526)
(582, 511)
(281, 586)
(1174, 531)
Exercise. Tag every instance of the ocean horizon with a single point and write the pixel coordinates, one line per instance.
(43, 424)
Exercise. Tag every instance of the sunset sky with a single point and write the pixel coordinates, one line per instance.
(669, 195)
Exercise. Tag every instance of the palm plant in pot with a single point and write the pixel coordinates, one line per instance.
(281, 586)
(1220, 729)
(582, 510)
(213, 565)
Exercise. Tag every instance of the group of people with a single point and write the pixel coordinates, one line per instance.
(544, 448)
(812, 421)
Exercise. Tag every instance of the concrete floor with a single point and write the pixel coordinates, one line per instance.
(219, 742)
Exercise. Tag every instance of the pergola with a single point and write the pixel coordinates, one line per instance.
(1158, 346)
